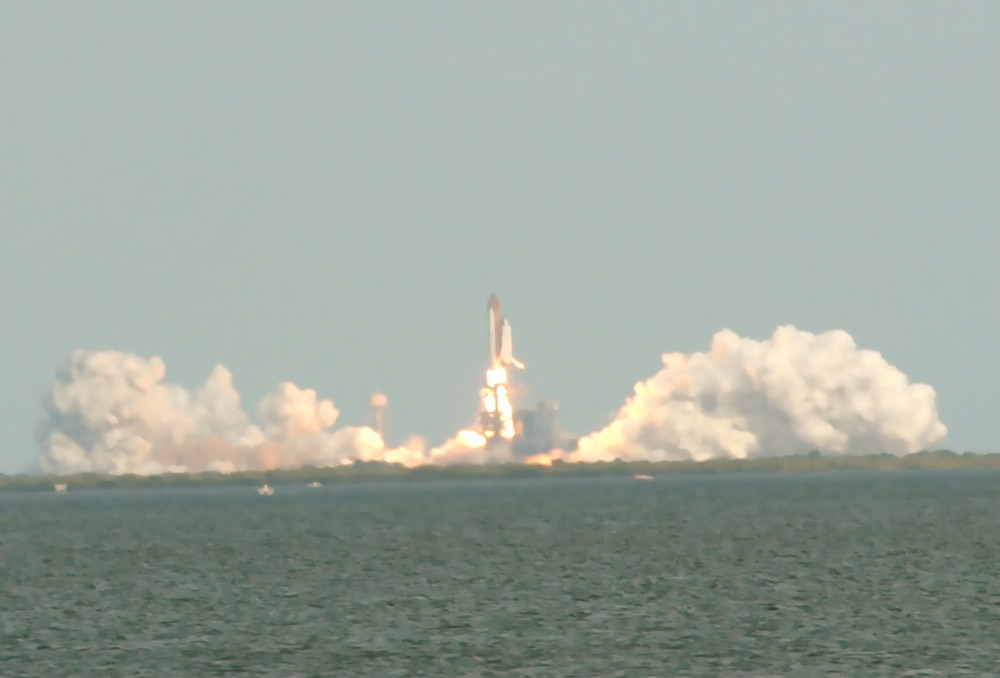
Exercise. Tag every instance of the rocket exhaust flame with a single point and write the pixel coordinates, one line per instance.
(497, 411)
(471, 438)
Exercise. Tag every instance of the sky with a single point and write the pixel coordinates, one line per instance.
(328, 193)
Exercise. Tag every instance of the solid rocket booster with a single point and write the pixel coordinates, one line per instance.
(501, 340)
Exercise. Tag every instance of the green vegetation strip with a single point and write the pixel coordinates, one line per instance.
(375, 471)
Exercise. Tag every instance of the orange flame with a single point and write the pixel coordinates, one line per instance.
(471, 438)
(496, 401)
(542, 459)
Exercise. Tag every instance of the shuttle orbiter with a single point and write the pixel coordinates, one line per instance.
(501, 342)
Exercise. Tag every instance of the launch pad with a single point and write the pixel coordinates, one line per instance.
(530, 431)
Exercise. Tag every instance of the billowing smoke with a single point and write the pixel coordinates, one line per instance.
(469, 447)
(111, 412)
(791, 394)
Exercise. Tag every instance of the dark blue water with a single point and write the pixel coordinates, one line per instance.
(891, 574)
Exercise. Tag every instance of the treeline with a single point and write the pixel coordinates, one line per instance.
(377, 471)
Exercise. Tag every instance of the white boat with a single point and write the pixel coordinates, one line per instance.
(265, 490)
(315, 484)
(641, 476)
(60, 487)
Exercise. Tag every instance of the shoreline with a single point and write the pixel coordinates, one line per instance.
(365, 472)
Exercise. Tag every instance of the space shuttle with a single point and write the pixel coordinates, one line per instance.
(501, 342)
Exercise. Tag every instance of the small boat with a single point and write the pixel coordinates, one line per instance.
(315, 484)
(265, 490)
(641, 476)
(60, 487)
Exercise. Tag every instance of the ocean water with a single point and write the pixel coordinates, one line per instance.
(878, 574)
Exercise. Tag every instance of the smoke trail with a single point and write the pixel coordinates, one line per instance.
(111, 412)
(790, 394)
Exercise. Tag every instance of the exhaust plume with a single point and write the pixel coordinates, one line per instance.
(790, 394)
(471, 447)
(111, 412)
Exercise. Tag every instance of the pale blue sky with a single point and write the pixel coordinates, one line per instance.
(328, 193)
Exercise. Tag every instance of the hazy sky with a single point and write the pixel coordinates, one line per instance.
(327, 193)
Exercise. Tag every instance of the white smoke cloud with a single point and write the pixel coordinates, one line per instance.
(111, 412)
(791, 394)
(463, 450)
(292, 413)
